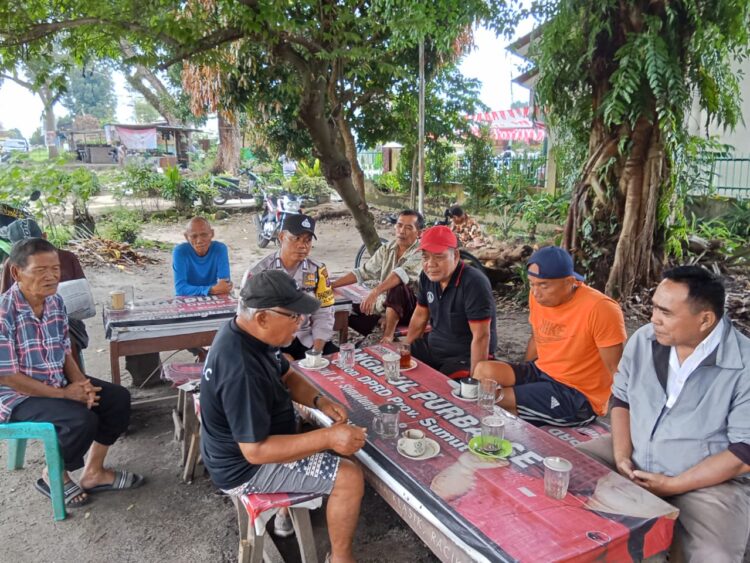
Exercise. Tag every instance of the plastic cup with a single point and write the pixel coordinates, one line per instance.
(391, 363)
(489, 393)
(346, 356)
(117, 300)
(385, 423)
(556, 476)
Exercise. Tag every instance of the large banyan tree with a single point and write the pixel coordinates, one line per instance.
(619, 78)
(304, 59)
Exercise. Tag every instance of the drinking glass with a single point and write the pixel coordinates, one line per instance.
(490, 392)
(556, 476)
(493, 432)
(385, 423)
(346, 356)
(391, 363)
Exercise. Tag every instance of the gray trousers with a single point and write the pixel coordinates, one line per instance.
(714, 523)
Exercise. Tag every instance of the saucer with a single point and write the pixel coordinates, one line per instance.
(324, 364)
(475, 445)
(431, 449)
(412, 365)
(460, 398)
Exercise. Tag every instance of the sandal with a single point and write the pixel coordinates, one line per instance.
(123, 480)
(72, 491)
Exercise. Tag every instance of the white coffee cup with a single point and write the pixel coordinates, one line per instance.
(469, 387)
(313, 358)
(412, 444)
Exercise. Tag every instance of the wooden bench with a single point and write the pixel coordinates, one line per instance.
(256, 510)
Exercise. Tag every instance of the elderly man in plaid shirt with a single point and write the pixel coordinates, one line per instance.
(40, 381)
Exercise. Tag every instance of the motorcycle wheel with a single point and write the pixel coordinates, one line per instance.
(220, 199)
(262, 241)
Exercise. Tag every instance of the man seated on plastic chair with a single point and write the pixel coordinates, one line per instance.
(40, 382)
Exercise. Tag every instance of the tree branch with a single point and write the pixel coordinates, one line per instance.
(202, 45)
(22, 83)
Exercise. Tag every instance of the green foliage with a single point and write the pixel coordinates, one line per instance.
(388, 182)
(308, 180)
(440, 162)
(507, 204)
(91, 91)
(479, 177)
(123, 225)
(36, 137)
(543, 207)
(738, 219)
(61, 236)
(141, 181)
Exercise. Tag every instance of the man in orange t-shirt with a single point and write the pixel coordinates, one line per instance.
(577, 340)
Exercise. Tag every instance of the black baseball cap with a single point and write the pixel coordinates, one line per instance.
(273, 288)
(21, 229)
(298, 224)
(554, 263)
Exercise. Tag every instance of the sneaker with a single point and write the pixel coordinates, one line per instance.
(282, 525)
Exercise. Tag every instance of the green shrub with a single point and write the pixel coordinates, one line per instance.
(124, 225)
(388, 183)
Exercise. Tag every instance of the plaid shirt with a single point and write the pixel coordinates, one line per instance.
(31, 345)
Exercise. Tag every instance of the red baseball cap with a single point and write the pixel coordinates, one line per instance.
(438, 239)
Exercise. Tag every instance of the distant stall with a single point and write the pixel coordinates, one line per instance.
(168, 144)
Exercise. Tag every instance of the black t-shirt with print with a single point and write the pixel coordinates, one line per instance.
(467, 297)
(243, 399)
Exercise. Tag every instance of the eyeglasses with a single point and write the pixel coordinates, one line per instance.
(294, 316)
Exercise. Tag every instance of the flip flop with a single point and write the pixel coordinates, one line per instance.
(123, 480)
(71, 490)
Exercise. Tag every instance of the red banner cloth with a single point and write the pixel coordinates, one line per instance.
(498, 507)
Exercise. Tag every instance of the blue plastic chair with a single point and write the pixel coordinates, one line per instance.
(17, 433)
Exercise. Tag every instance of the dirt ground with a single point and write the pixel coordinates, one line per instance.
(167, 520)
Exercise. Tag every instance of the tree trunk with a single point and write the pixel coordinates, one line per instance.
(50, 124)
(329, 146)
(230, 143)
(358, 175)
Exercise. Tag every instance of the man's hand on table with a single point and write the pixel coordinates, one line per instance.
(345, 439)
(222, 287)
(625, 467)
(333, 410)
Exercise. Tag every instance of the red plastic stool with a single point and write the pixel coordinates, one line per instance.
(254, 512)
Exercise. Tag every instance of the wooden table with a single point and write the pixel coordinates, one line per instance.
(178, 323)
(466, 508)
(346, 297)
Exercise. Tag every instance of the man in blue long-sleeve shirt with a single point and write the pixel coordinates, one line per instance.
(200, 265)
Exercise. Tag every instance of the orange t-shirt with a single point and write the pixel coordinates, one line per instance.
(568, 338)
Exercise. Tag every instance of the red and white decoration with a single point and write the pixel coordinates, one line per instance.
(509, 125)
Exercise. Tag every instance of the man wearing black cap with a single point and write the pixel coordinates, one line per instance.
(297, 234)
(248, 439)
(576, 343)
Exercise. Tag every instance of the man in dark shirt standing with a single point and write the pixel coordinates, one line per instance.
(457, 301)
(248, 438)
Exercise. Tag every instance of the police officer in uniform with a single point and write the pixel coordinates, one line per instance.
(297, 234)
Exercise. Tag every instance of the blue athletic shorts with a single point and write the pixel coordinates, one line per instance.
(541, 400)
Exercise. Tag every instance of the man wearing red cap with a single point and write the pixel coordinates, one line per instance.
(457, 300)
(576, 342)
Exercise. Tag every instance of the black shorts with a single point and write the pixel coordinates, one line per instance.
(541, 400)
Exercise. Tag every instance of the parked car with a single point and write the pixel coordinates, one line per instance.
(10, 145)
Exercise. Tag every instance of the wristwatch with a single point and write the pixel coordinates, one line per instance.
(316, 399)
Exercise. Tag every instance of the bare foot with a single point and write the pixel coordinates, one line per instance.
(76, 500)
(90, 478)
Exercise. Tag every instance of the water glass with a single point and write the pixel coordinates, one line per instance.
(391, 363)
(490, 392)
(385, 423)
(493, 432)
(556, 477)
(404, 350)
(346, 356)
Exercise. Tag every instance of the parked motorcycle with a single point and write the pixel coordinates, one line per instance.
(275, 208)
(236, 188)
(8, 214)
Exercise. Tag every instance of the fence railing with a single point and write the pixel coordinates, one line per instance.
(726, 176)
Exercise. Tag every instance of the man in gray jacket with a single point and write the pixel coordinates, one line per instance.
(681, 416)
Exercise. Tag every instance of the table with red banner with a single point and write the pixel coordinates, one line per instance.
(346, 297)
(176, 323)
(467, 508)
